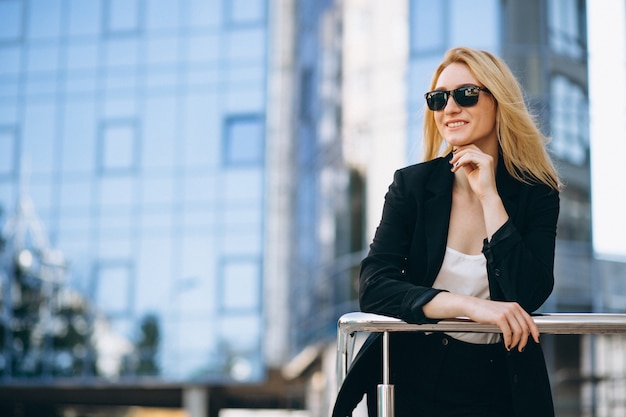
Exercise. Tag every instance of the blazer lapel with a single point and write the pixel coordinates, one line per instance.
(437, 207)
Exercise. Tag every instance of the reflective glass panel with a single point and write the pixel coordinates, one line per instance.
(10, 20)
(244, 142)
(241, 289)
(246, 11)
(122, 16)
(7, 150)
(43, 19)
(84, 17)
(118, 146)
(114, 287)
(10, 57)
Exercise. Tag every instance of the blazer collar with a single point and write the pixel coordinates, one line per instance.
(441, 178)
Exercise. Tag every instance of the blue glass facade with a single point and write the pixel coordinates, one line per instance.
(138, 129)
(320, 209)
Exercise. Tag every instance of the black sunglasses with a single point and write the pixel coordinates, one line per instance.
(465, 96)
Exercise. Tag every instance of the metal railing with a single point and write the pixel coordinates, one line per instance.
(554, 323)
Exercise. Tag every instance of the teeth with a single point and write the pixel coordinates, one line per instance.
(456, 124)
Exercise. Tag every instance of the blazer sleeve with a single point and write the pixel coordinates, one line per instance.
(520, 255)
(383, 285)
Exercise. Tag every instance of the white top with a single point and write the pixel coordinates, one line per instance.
(466, 274)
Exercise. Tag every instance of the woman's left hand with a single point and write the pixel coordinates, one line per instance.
(480, 170)
(479, 167)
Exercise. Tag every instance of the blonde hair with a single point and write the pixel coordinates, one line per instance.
(521, 143)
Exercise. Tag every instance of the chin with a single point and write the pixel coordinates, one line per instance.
(459, 142)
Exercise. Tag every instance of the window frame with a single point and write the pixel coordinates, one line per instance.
(132, 167)
(227, 125)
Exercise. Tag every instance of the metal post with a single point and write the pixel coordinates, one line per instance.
(385, 390)
(196, 401)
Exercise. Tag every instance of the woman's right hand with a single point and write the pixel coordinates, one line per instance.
(514, 322)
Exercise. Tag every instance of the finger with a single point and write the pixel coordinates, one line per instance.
(459, 153)
(517, 332)
(506, 333)
(534, 331)
(462, 161)
(470, 167)
(527, 325)
(467, 158)
(524, 338)
(455, 166)
(454, 159)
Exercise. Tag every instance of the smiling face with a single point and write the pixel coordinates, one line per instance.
(466, 125)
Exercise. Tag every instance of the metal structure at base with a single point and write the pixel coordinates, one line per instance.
(554, 323)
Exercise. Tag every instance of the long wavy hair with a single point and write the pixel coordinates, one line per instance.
(522, 145)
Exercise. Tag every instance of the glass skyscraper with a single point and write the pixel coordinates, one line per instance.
(137, 128)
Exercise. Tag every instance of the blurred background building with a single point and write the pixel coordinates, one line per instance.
(187, 188)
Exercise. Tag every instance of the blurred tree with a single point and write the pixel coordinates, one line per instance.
(148, 346)
(44, 325)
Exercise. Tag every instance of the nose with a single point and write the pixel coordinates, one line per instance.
(451, 105)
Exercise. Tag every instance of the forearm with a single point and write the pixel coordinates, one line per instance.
(447, 305)
(494, 213)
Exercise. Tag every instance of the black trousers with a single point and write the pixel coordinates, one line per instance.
(450, 378)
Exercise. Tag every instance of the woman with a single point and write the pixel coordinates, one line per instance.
(470, 233)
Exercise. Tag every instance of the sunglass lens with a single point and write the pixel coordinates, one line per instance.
(437, 100)
(466, 96)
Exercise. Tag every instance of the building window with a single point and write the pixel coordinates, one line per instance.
(122, 17)
(567, 27)
(8, 140)
(10, 20)
(570, 121)
(83, 17)
(113, 292)
(426, 15)
(119, 144)
(240, 282)
(245, 12)
(243, 140)
(42, 19)
(11, 59)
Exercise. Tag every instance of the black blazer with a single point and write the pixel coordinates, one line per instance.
(407, 253)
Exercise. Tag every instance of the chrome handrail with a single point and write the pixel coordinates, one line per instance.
(553, 323)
